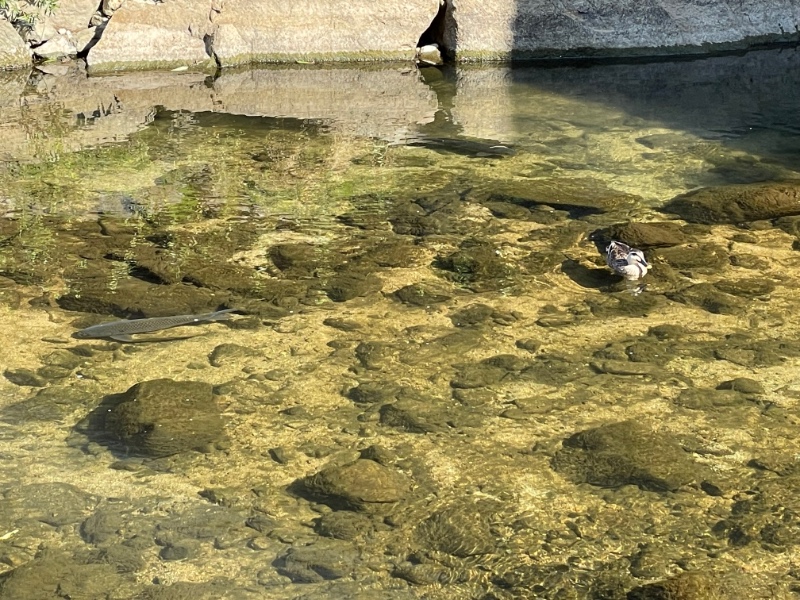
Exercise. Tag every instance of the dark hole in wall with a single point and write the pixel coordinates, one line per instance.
(435, 33)
(98, 32)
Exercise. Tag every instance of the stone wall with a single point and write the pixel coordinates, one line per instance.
(204, 34)
(611, 28)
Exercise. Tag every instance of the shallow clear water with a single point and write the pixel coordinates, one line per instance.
(433, 386)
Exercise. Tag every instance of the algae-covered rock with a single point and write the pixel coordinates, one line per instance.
(363, 486)
(225, 354)
(737, 203)
(54, 503)
(705, 399)
(158, 418)
(768, 515)
(56, 575)
(418, 294)
(743, 385)
(642, 235)
(459, 530)
(323, 560)
(476, 314)
(373, 392)
(708, 297)
(479, 265)
(753, 287)
(425, 415)
(344, 525)
(347, 286)
(702, 258)
(625, 453)
(686, 586)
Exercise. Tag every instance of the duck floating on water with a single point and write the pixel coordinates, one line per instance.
(628, 262)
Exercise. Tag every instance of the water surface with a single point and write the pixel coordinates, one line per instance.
(434, 388)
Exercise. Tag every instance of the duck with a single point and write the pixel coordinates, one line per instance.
(626, 261)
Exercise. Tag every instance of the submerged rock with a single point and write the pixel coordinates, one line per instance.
(701, 258)
(708, 297)
(459, 530)
(743, 385)
(625, 453)
(479, 265)
(478, 314)
(225, 354)
(425, 415)
(418, 294)
(57, 575)
(321, 561)
(347, 286)
(642, 235)
(363, 486)
(737, 203)
(686, 586)
(158, 418)
(766, 515)
(344, 525)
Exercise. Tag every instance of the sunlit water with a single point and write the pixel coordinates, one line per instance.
(433, 386)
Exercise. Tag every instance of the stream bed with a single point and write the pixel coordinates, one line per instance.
(431, 386)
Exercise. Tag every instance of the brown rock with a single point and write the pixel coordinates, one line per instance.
(163, 417)
(737, 203)
(363, 485)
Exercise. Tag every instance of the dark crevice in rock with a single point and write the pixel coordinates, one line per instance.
(98, 33)
(208, 40)
(435, 33)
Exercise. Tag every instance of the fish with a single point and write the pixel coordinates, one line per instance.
(462, 146)
(626, 261)
(122, 330)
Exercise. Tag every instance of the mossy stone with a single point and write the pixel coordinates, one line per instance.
(708, 297)
(625, 453)
(418, 294)
(643, 235)
(702, 258)
(479, 265)
(159, 418)
(324, 560)
(363, 486)
(743, 385)
(686, 586)
(458, 530)
(737, 203)
(746, 288)
(347, 286)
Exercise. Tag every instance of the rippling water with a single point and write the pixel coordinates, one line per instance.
(433, 386)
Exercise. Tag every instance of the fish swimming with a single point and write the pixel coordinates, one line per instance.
(122, 330)
(462, 146)
(626, 261)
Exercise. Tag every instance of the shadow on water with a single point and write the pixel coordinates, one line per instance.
(744, 103)
(732, 100)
